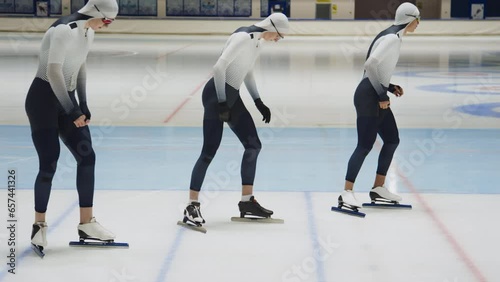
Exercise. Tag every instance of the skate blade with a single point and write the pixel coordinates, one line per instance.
(100, 244)
(192, 227)
(38, 250)
(386, 205)
(349, 212)
(257, 219)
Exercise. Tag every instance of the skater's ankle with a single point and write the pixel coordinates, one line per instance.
(87, 220)
(193, 201)
(39, 216)
(246, 198)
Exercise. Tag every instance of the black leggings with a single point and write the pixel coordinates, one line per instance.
(241, 123)
(49, 122)
(371, 120)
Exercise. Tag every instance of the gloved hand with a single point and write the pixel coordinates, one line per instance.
(75, 113)
(264, 110)
(85, 110)
(396, 90)
(224, 112)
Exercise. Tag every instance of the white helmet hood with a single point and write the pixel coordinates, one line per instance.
(100, 9)
(279, 20)
(406, 13)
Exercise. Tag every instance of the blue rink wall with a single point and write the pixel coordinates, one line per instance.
(292, 159)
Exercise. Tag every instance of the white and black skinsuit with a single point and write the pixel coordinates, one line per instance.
(381, 61)
(51, 104)
(222, 101)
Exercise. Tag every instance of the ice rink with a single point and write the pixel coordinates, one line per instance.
(144, 93)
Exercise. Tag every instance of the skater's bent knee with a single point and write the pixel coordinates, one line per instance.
(393, 142)
(88, 159)
(363, 150)
(45, 176)
(391, 145)
(255, 151)
(253, 145)
(251, 155)
(91, 157)
(207, 158)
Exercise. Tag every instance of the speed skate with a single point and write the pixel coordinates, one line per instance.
(97, 243)
(193, 226)
(386, 204)
(252, 211)
(38, 250)
(257, 219)
(39, 238)
(347, 204)
(193, 218)
(92, 234)
(383, 198)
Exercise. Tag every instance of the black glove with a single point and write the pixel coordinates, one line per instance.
(392, 88)
(85, 110)
(383, 96)
(396, 90)
(75, 113)
(264, 110)
(224, 112)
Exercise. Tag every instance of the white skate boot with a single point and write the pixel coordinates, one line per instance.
(349, 199)
(348, 204)
(39, 234)
(383, 198)
(381, 194)
(94, 231)
(39, 237)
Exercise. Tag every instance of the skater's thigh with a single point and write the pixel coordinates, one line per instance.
(367, 131)
(212, 135)
(388, 129)
(46, 142)
(243, 126)
(366, 100)
(78, 140)
(41, 106)
(210, 101)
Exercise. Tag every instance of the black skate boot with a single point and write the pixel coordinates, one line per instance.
(253, 208)
(192, 214)
(193, 218)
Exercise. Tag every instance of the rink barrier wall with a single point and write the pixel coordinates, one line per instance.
(297, 27)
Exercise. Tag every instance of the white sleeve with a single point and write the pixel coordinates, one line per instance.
(230, 52)
(251, 85)
(387, 46)
(81, 84)
(57, 51)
